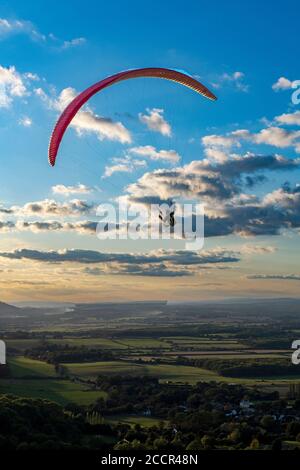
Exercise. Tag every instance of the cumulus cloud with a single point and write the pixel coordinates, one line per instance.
(278, 210)
(206, 181)
(283, 84)
(48, 207)
(148, 151)
(215, 154)
(67, 190)
(6, 226)
(214, 140)
(236, 79)
(124, 164)
(86, 121)
(285, 197)
(84, 227)
(275, 136)
(80, 227)
(38, 226)
(11, 86)
(155, 121)
(164, 263)
(94, 257)
(217, 147)
(220, 186)
(289, 118)
(118, 168)
(159, 263)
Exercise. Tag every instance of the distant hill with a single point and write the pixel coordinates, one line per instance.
(7, 310)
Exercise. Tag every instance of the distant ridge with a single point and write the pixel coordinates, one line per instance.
(7, 310)
(127, 302)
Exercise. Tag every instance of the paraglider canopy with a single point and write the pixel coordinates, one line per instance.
(70, 111)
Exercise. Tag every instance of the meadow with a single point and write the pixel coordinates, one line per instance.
(159, 346)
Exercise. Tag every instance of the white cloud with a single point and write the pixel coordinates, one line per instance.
(289, 118)
(155, 121)
(211, 182)
(215, 154)
(235, 78)
(73, 43)
(148, 151)
(257, 249)
(32, 76)
(283, 84)
(217, 147)
(123, 165)
(48, 207)
(67, 190)
(275, 136)
(80, 227)
(160, 263)
(11, 85)
(5, 26)
(283, 197)
(119, 168)
(86, 121)
(25, 121)
(214, 140)
(10, 27)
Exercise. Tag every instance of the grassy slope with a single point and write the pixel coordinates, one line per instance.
(59, 391)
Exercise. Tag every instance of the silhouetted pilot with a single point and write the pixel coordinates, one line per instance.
(168, 219)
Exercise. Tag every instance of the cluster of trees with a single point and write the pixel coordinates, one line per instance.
(204, 422)
(261, 370)
(140, 394)
(247, 368)
(28, 424)
(55, 354)
(192, 418)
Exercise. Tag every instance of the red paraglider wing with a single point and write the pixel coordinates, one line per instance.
(71, 110)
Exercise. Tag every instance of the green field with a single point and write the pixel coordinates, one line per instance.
(203, 343)
(21, 366)
(32, 378)
(168, 373)
(164, 372)
(59, 391)
(144, 343)
(101, 343)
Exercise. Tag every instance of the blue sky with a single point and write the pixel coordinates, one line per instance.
(245, 52)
